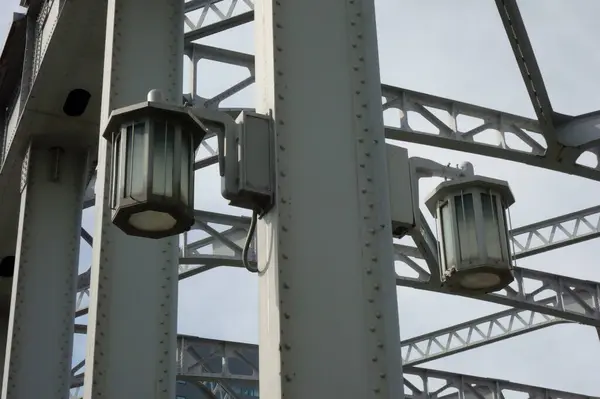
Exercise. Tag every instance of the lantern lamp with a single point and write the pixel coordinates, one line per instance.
(475, 256)
(153, 147)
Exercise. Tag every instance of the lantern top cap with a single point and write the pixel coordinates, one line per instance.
(454, 186)
(151, 109)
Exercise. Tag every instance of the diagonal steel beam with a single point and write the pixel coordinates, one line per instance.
(528, 66)
(557, 232)
(211, 359)
(473, 334)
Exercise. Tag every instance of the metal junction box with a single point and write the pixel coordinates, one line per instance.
(400, 189)
(249, 163)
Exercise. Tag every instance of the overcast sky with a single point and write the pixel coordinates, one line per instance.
(454, 49)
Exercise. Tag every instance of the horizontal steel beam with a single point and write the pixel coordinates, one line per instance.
(559, 296)
(200, 13)
(214, 360)
(208, 360)
(528, 146)
(440, 343)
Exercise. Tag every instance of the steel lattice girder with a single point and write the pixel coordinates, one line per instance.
(564, 297)
(461, 337)
(540, 142)
(222, 362)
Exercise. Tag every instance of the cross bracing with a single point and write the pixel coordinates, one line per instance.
(219, 363)
(571, 299)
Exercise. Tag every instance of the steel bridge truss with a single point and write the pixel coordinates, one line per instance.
(538, 299)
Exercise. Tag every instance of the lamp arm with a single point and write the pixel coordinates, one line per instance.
(422, 233)
(423, 167)
(217, 123)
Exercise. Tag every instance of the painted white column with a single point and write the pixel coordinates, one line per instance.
(40, 328)
(132, 328)
(328, 308)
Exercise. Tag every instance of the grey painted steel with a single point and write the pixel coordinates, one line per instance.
(229, 19)
(43, 296)
(530, 70)
(211, 251)
(330, 149)
(142, 53)
(556, 232)
(4, 317)
(423, 382)
(231, 363)
(555, 295)
(532, 138)
(473, 334)
(228, 16)
(416, 350)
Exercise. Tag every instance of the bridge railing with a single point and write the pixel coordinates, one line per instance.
(46, 21)
(13, 112)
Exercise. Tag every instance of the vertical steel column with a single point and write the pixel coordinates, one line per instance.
(5, 290)
(328, 309)
(132, 329)
(40, 329)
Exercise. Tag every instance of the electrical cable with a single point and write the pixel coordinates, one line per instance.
(251, 268)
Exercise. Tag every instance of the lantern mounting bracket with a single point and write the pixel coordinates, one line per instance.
(407, 218)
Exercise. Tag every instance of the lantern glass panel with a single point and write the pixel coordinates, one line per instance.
(187, 160)
(116, 183)
(163, 147)
(493, 243)
(467, 232)
(448, 235)
(136, 160)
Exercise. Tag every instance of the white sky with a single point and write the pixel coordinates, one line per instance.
(455, 49)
